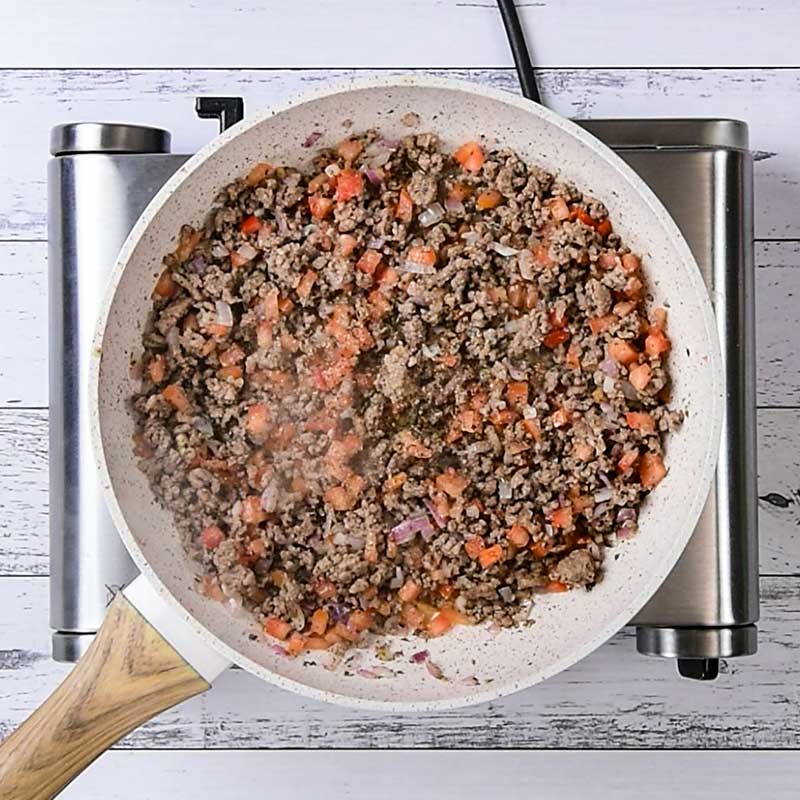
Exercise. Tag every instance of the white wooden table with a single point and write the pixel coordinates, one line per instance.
(144, 61)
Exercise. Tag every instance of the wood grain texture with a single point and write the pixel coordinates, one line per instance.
(426, 775)
(165, 98)
(129, 674)
(613, 699)
(23, 310)
(431, 32)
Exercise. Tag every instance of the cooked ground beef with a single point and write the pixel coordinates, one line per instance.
(408, 390)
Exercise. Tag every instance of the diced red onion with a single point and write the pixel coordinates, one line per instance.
(332, 170)
(219, 251)
(408, 529)
(419, 657)
(608, 384)
(506, 593)
(339, 612)
(380, 159)
(627, 530)
(431, 215)
(434, 669)
(562, 499)
(310, 228)
(628, 390)
(376, 244)
(471, 237)
(604, 480)
(389, 144)
(503, 249)
(599, 510)
(607, 409)
(397, 581)
(224, 314)
(173, 339)
(454, 206)
(278, 650)
(416, 269)
(198, 264)
(530, 412)
(516, 373)
(460, 603)
(525, 264)
(269, 497)
(603, 495)
(203, 425)
(312, 139)
(247, 252)
(504, 490)
(283, 225)
(609, 367)
(470, 680)
(512, 326)
(375, 672)
(372, 175)
(626, 515)
(440, 521)
(495, 628)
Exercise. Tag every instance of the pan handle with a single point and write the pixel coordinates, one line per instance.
(130, 673)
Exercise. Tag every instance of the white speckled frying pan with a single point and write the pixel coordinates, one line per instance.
(116, 693)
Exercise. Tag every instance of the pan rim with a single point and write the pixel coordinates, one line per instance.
(695, 504)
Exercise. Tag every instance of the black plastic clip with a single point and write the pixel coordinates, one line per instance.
(228, 110)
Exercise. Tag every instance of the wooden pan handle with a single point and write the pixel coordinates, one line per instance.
(128, 675)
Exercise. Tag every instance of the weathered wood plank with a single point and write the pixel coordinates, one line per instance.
(425, 774)
(23, 310)
(165, 98)
(445, 33)
(613, 699)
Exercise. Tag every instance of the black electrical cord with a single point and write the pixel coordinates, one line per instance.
(519, 50)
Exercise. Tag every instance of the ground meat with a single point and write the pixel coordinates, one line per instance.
(405, 391)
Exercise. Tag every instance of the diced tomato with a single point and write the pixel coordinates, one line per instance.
(541, 255)
(474, 546)
(394, 482)
(272, 311)
(656, 344)
(470, 156)
(363, 337)
(502, 417)
(306, 284)
(349, 184)
(639, 376)
(426, 256)
(517, 393)
(559, 209)
(572, 358)
(321, 422)
(233, 355)
(252, 512)
(211, 537)
(580, 502)
(659, 320)
(285, 305)
(624, 308)
(176, 397)
(386, 276)
(319, 621)
(258, 173)
(608, 260)
(561, 517)
(233, 372)
(622, 352)
(277, 628)
(600, 324)
(251, 224)
(324, 588)
(412, 616)
(157, 368)
(404, 210)
(438, 625)
(319, 206)
(555, 338)
(451, 482)
(257, 419)
(604, 227)
(629, 458)
(633, 288)
(459, 192)
(489, 199)
(469, 420)
(640, 421)
(165, 286)
(541, 548)
(347, 244)
(630, 263)
(651, 470)
(296, 644)
(359, 620)
(556, 587)
(532, 427)
(349, 149)
(316, 643)
(237, 260)
(518, 535)
(560, 417)
(490, 555)
(343, 497)
(409, 591)
(369, 261)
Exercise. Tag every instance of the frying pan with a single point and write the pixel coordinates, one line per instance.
(163, 642)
